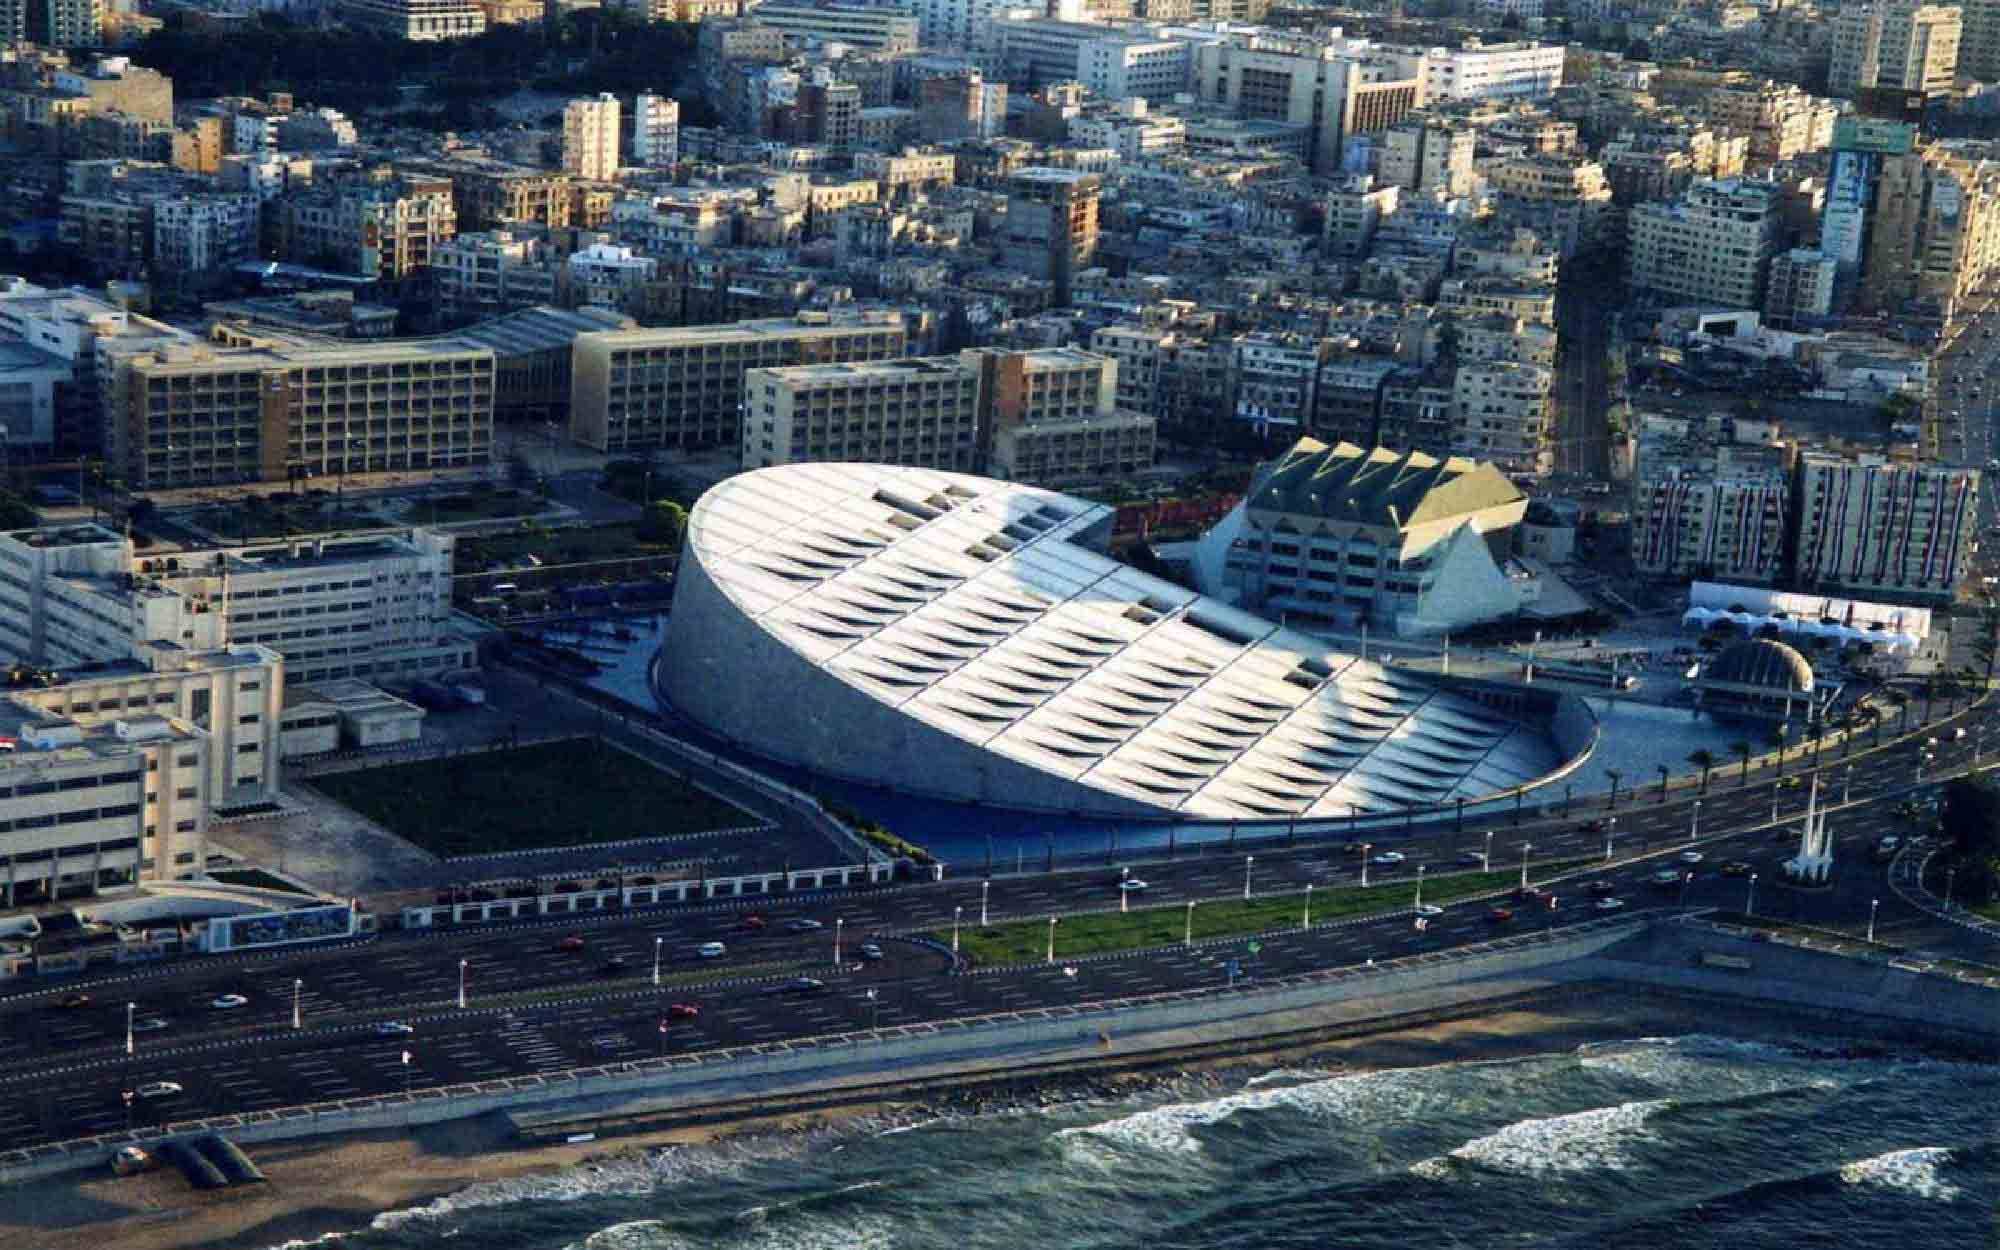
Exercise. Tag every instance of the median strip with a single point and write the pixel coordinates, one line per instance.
(1098, 933)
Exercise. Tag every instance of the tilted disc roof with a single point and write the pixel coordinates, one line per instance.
(1380, 487)
(981, 609)
(1761, 662)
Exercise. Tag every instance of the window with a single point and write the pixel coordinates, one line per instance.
(249, 747)
(185, 857)
(251, 719)
(185, 792)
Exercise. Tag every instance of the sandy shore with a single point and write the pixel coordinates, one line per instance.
(335, 1184)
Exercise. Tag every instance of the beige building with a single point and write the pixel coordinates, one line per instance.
(1050, 230)
(683, 386)
(382, 226)
(877, 28)
(1502, 413)
(1934, 235)
(1903, 530)
(590, 138)
(420, 20)
(1713, 246)
(1707, 508)
(1894, 44)
(920, 411)
(1051, 418)
(196, 415)
(1781, 121)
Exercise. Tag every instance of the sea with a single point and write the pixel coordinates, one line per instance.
(1666, 1143)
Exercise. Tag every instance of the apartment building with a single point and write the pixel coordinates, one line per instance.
(1503, 413)
(487, 193)
(1050, 418)
(656, 131)
(1708, 507)
(1781, 121)
(1979, 40)
(1801, 288)
(880, 29)
(1483, 71)
(1895, 44)
(202, 234)
(898, 175)
(1428, 155)
(1564, 199)
(1339, 90)
(1934, 235)
(1122, 67)
(419, 20)
(194, 415)
(66, 328)
(590, 138)
(384, 225)
(1050, 230)
(919, 411)
(494, 270)
(1713, 246)
(1881, 529)
(683, 386)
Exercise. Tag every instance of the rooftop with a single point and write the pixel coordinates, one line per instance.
(1379, 487)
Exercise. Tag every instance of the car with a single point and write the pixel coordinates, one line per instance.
(157, 1089)
(802, 985)
(1691, 857)
(1790, 783)
(754, 922)
(711, 950)
(1594, 826)
(228, 1002)
(1428, 909)
(872, 951)
(73, 1001)
(1473, 857)
(613, 967)
(1499, 915)
(1666, 878)
(1736, 868)
(1389, 858)
(148, 1024)
(1528, 894)
(802, 925)
(1131, 885)
(572, 943)
(1609, 904)
(683, 1011)
(1601, 888)
(394, 1028)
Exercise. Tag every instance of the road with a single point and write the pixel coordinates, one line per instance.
(534, 1008)
(1583, 318)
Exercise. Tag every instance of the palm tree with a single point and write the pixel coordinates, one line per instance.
(1703, 760)
(1615, 776)
(1665, 772)
(1744, 750)
(1778, 741)
(1902, 702)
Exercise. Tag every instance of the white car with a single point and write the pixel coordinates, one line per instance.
(1608, 904)
(1429, 909)
(157, 1089)
(228, 1002)
(1389, 857)
(1131, 885)
(394, 1028)
(711, 950)
(1691, 857)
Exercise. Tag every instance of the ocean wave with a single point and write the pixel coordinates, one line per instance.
(1913, 1171)
(862, 1232)
(1582, 1141)
(632, 1235)
(1169, 1129)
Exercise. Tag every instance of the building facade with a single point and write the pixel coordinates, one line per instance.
(1896, 530)
(1714, 246)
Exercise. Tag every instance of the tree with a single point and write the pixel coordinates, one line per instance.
(1704, 760)
(1744, 751)
(1969, 817)
(663, 522)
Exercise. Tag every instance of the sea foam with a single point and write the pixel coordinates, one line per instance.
(1912, 1171)
(1170, 1129)
(1582, 1141)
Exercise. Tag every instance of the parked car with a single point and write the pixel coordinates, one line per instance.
(1667, 878)
(1691, 857)
(1389, 858)
(753, 921)
(1609, 904)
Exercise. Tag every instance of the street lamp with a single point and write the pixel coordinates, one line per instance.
(1873, 903)
(1486, 856)
(956, 912)
(1846, 780)
(1124, 891)
(1525, 848)
(984, 886)
(298, 985)
(1247, 861)
(129, 1009)
(1750, 902)
(1052, 938)
(1187, 933)
(1306, 921)
(658, 942)
(837, 924)
(1694, 824)
(1417, 905)
(462, 965)
(1610, 832)
(1369, 846)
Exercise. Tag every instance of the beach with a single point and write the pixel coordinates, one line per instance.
(328, 1185)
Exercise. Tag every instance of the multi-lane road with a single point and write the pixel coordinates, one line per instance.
(534, 1007)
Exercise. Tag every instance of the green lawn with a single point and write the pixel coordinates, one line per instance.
(1027, 941)
(262, 521)
(556, 546)
(567, 793)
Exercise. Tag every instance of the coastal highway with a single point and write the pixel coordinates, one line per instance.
(532, 1007)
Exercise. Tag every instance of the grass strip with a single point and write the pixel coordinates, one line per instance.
(1098, 933)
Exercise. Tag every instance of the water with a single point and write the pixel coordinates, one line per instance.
(1685, 1142)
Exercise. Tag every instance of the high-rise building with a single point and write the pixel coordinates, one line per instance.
(1803, 286)
(1339, 91)
(1503, 413)
(1934, 235)
(1423, 153)
(1051, 226)
(1713, 246)
(1708, 507)
(656, 131)
(683, 386)
(1859, 147)
(1979, 40)
(1896, 44)
(590, 138)
(1883, 529)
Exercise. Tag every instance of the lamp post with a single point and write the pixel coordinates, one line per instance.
(462, 965)
(1486, 856)
(1750, 900)
(1525, 848)
(956, 912)
(1873, 904)
(1306, 921)
(1052, 939)
(1694, 824)
(658, 942)
(1187, 933)
(1417, 905)
(1846, 780)
(984, 886)
(1369, 846)
(129, 1009)
(1247, 861)
(838, 924)
(298, 987)
(1610, 833)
